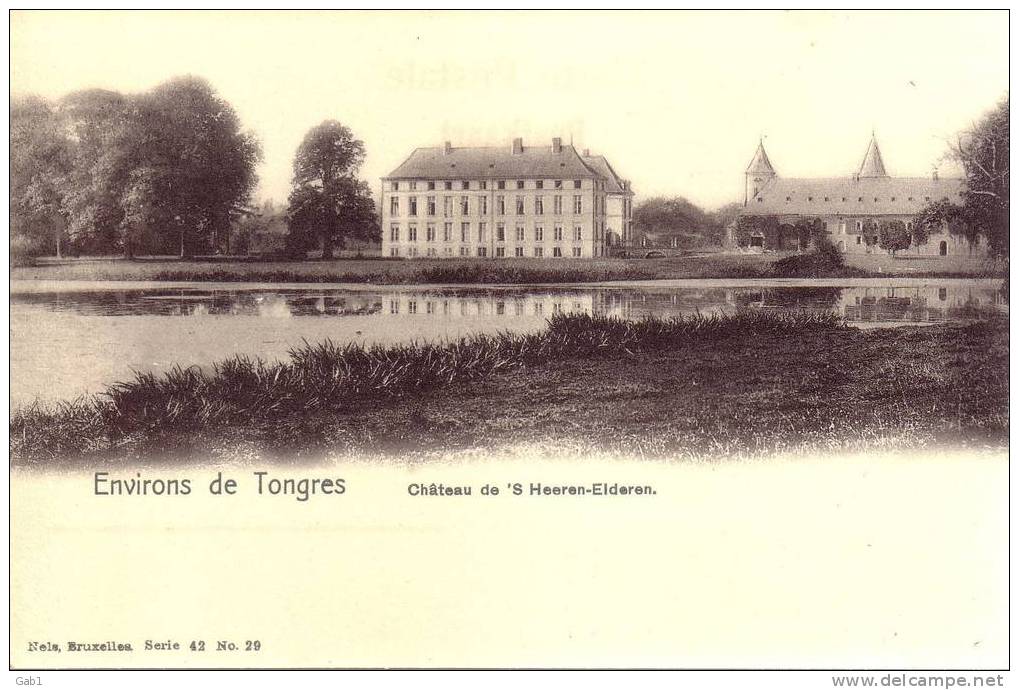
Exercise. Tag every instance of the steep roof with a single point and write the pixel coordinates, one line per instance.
(872, 165)
(613, 183)
(851, 196)
(760, 163)
(472, 162)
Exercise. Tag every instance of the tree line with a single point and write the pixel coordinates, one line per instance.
(167, 171)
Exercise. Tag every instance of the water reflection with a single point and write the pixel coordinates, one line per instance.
(915, 304)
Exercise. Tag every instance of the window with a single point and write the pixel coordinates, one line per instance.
(430, 232)
(448, 184)
(412, 251)
(413, 185)
(396, 186)
(788, 198)
(539, 233)
(483, 205)
(447, 206)
(519, 251)
(859, 198)
(394, 233)
(520, 205)
(576, 184)
(557, 251)
(557, 204)
(482, 231)
(578, 203)
(413, 201)
(483, 184)
(394, 251)
(500, 251)
(448, 251)
(431, 205)
(500, 205)
(447, 232)
(394, 206)
(501, 184)
(558, 184)
(464, 251)
(482, 251)
(578, 234)
(520, 234)
(465, 185)
(859, 226)
(539, 252)
(465, 232)
(826, 199)
(577, 251)
(539, 206)
(431, 251)
(465, 206)
(500, 232)
(859, 239)
(412, 233)
(431, 185)
(557, 233)
(520, 184)
(539, 184)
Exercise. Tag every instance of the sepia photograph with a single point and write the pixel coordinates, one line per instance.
(511, 340)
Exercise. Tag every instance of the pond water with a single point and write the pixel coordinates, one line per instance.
(68, 340)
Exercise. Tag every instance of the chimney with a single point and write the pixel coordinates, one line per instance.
(557, 145)
(518, 146)
(447, 148)
(587, 153)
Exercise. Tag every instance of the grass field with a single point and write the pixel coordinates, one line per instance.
(742, 385)
(476, 271)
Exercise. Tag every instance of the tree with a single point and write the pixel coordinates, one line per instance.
(983, 151)
(328, 205)
(193, 166)
(100, 170)
(678, 220)
(40, 161)
(893, 235)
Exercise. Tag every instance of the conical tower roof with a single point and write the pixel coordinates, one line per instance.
(872, 165)
(760, 163)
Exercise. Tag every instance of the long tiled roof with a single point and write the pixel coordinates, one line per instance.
(852, 196)
(493, 162)
(613, 183)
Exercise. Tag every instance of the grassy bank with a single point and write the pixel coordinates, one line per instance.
(744, 384)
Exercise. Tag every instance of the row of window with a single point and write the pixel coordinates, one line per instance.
(858, 199)
(463, 208)
(500, 252)
(412, 185)
(431, 233)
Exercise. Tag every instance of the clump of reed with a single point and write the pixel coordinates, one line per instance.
(242, 391)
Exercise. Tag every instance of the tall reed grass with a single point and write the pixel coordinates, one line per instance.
(244, 391)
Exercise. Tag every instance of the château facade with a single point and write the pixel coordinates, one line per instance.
(849, 208)
(503, 202)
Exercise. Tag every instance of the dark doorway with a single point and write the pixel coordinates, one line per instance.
(943, 248)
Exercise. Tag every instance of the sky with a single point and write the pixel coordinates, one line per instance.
(677, 101)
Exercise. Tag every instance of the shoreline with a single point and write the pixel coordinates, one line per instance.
(18, 286)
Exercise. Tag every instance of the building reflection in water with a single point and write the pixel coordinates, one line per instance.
(923, 304)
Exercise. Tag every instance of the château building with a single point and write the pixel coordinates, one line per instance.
(516, 201)
(850, 208)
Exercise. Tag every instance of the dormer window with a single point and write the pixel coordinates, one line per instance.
(760, 198)
(827, 199)
(788, 199)
(859, 198)
(810, 198)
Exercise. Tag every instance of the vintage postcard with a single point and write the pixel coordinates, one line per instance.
(510, 340)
